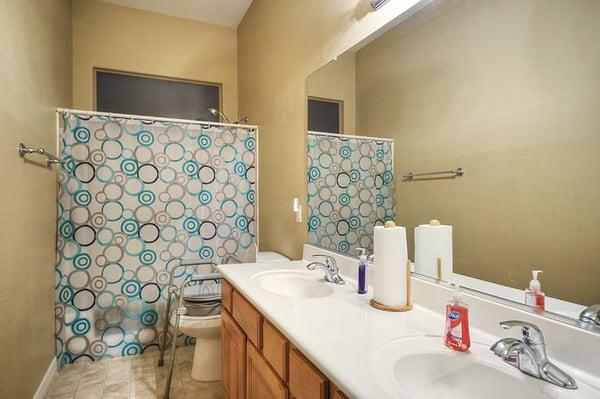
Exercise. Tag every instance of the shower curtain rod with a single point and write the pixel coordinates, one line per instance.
(153, 118)
(350, 136)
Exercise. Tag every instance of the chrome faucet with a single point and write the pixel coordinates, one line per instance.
(528, 354)
(330, 268)
(591, 315)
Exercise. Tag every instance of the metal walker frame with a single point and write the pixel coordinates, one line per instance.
(181, 310)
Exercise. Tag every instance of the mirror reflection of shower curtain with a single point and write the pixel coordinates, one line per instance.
(350, 190)
(135, 196)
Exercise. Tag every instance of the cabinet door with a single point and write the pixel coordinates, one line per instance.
(233, 342)
(262, 382)
(275, 349)
(305, 380)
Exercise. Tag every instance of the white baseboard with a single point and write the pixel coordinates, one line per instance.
(46, 381)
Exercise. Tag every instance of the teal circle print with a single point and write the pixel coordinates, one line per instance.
(241, 223)
(191, 168)
(81, 326)
(66, 229)
(354, 222)
(314, 222)
(81, 134)
(145, 138)
(387, 177)
(82, 261)
(313, 173)
(130, 288)
(240, 168)
(354, 175)
(206, 252)
(345, 152)
(130, 227)
(66, 294)
(250, 143)
(379, 199)
(149, 318)
(131, 349)
(251, 196)
(129, 166)
(204, 141)
(82, 197)
(191, 225)
(205, 197)
(343, 246)
(70, 163)
(146, 197)
(344, 199)
(380, 154)
(148, 257)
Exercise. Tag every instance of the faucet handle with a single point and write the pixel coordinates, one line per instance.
(531, 333)
(329, 260)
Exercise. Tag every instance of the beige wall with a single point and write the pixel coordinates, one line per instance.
(131, 40)
(337, 81)
(510, 91)
(285, 41)
(35, 77)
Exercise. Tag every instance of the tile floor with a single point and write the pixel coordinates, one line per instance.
(132, 377)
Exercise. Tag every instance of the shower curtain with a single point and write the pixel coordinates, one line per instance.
(135, 196)
(350, 190)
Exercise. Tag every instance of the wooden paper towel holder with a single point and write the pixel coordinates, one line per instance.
(409, 304)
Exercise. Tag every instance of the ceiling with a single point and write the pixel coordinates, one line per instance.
(219, 12)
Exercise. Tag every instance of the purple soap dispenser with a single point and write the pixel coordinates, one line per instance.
(362, 271)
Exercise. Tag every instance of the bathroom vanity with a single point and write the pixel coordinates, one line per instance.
(288, 334)
(258, 360)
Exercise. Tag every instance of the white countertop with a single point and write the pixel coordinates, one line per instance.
(339, 333)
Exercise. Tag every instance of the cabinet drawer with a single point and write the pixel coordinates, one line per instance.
(261, 381)
(305, 380)
(275, 349)
(226, 291)
(248, 318)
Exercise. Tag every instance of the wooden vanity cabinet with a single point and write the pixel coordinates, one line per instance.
(258, 360)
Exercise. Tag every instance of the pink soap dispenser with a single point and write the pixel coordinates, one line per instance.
(456, 334)
(533, 295)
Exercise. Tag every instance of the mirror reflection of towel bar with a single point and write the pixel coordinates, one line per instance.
(454, 173)
(24, 150)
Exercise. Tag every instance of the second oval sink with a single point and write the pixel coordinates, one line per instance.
(422, 368)
(293, 284)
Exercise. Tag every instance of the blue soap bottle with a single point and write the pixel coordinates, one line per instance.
(362, 272)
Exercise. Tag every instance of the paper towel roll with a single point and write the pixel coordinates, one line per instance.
(431, 243)
(389, 273)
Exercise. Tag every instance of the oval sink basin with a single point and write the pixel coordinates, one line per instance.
(293, 284)
(423, 368)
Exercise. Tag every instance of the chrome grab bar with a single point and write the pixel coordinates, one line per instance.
(454, 172)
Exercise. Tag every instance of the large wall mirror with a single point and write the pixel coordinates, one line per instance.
(507, 90)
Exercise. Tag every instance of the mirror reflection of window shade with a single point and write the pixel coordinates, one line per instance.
(324, 115)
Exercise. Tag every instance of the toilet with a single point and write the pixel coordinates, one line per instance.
(203, 321)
